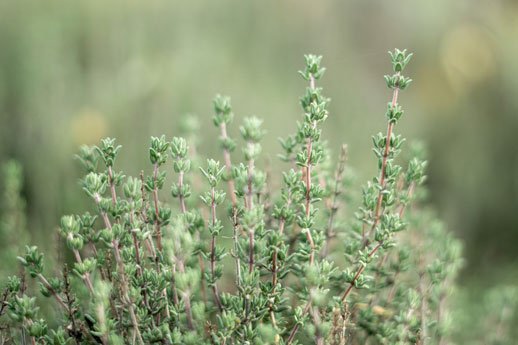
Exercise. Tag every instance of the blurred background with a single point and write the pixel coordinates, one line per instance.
(72, 72)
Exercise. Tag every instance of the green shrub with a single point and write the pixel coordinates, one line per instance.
(248, 265)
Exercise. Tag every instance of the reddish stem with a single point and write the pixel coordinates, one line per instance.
(360, 270)
(380, 243)
(383, 166)
(53, 292)
(296, 328)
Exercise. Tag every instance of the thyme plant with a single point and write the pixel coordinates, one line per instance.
(227, 261)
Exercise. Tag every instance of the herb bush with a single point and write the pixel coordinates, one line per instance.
(228, 261)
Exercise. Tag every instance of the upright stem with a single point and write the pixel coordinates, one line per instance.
(409, 193)
(308, 212)
(375, 249)
(249, 207)
(124, 286)
(308, 181)
(360, 270)
(250, 180)
(213, 252)
(186, 294)
(157, 210)
(281, 231)
(228, 165)
(236, 248)
(139, 264)
(120, 265)
(180, 196)
(383, 166)
(274, 261)
(308, 197)
(96, 256)
(28, 324)
(202, 273)
(334, 203)
(136, 244)
(251, 259)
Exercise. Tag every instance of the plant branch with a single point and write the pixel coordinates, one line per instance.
(228, 165)
(382, 176)
(213, 251)
(157, 210)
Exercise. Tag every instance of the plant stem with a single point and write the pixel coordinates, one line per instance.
(308, 182)
(308, 212)
(96, 256)
(28, 323)
(380, 243)
(274, 260)
(180, 196)
(281, 231)
(249, 207)
(53, 292)
(120, 265)
(308, 197)
(157, 210)
(86, 276)
(360, 270)
(334, 203)
(235, 224)
(213, 252)
(383, 166)
(112, 186)
(226, 154)
(124, 286)
(186, 295)
(409, 193)
(296, 328)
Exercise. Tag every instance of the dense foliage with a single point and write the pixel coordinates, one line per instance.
(304, 268)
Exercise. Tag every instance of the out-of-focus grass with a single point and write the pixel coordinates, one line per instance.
(73, 72)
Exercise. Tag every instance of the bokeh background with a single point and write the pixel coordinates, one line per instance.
(72, 72)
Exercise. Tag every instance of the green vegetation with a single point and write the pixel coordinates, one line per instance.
(231, 261)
